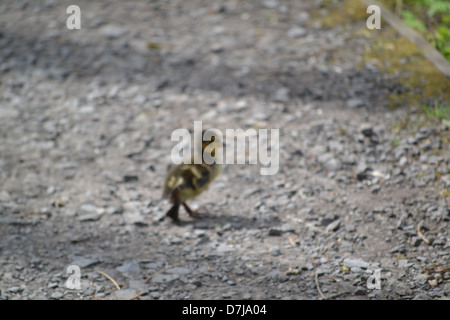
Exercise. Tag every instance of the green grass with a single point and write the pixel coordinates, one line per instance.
(431, 18)
(439, 111)
(396, 142)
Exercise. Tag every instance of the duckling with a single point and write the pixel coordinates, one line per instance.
(187, 180)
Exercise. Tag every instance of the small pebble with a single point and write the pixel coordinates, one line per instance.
(57, 295)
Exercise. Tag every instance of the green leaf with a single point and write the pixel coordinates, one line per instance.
(412, 21)
(444, 31)
(438, 6)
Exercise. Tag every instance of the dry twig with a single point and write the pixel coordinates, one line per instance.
(441, 270)
(318, 286)
(109, 277)
(419, 232)
(136, 296)
(292, 240)
(316, 276)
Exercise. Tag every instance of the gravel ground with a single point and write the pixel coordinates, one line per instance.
(85, 123)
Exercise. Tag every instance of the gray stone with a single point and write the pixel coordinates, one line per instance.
(367, 130)
(139, 285)
(400, 248)
(281, 95)
(324, 157)
(224, 248)
(134, 217)
(4, 196)
(125, 294)
(333, 164)
(277, 276)
(164, 278)
(56, 295)
(355, 263)
(360, 291)
(90, 217)
(275, 251)
(403, 160)
(303, 17)
(335, 146)
(402, 289)
(270, 4)
(15, 289)
(130, 269)
(416, 241)
(421, 277)
(87, 207)
(275, 232)
(355, 103)
(84, 262)
(178, 270)
(333, 226)
(112, 31)
(296, 32)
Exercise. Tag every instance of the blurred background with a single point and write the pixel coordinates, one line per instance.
(86, 117)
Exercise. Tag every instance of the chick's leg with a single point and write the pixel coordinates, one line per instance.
(173, 212)
(193, 214)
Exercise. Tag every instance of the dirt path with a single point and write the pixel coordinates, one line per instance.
(85, 123)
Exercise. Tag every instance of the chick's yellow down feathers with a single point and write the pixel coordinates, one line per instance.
(188, 180)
